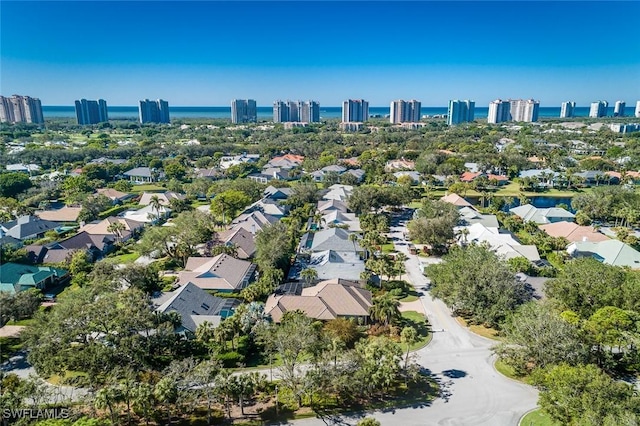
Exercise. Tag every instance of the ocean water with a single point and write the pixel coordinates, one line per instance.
(266, 112)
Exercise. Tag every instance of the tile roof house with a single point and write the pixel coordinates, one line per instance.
(415, 176)
(336, 218)
(325, 206)
(211, 173)
(325, 301)
(469, 216)
(338, 192)
(114, 195)
(456, 200)
(337, 264)
(270, 174)
(253, 222)
(274, 193)
(244, 241)
(529, 213)
(143, 175)
(147, 214)
(24, 168)
(96, 245)
(196, 306)
(471, 176)
(502, 244)
(163, 197)
(268, 206)
(130, 227)
(334, 239)
(222, 273)
(64, 214)
(573, 232)
(15, 277)
(611, 252)
(27, 227)
(228, 161)
(400, 164)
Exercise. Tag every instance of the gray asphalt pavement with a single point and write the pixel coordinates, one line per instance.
(473, 392)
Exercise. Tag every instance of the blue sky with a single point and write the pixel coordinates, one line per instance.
(206, 53)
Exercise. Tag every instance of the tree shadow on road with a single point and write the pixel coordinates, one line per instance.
(454, 374)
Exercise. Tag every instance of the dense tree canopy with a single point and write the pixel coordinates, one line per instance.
(13, 183)
(477, 284)
(586, 285)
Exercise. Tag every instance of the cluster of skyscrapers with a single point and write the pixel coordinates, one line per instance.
(295, 111)
(244, 111)
(405, 111)
(460, 112)
(522, 110)
(91, 112)
(153, 111)
(355, 111)
(20, 109)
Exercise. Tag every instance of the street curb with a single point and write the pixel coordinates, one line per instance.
(527, 412)
(493, 365)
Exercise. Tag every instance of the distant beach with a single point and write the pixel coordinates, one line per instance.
(266, 112)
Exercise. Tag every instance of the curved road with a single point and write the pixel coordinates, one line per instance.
(473, 392)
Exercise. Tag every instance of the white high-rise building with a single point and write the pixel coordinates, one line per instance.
(244, 111)
(405, 111)
(153, 111)
(20, 109)
(292, 111)
(638, 109)
(460, 112)
(598, 109)
(280, 112)
(618, 109)
(524, 110)
(567, 110)
(499, 111)
(355, 111)
(309, 111)
(91, 112)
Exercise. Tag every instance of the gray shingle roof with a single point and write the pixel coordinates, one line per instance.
(334, 239)
(196, 306)
(25, 226)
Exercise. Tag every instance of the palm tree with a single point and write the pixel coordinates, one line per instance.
(384, 308)
(309, 275)
(155, 204)
(229, 249)
(353, 237)
(508, 201)
(116, 228)
(409, 336)
(319, 220)
(464, 233)
(108, 398)
(522, 198)
(398, 264)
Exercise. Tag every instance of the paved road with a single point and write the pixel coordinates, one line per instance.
(474, 393)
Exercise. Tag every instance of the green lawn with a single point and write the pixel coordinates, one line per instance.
(507, 370)
(387, 248)
(151, 187)
(537, 418)
(24, 322)
(419, 322)
(489, 333)
(125, 258)
(9, 346)
(409, 298)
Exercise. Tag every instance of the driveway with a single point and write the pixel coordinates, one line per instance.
(473, 392)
